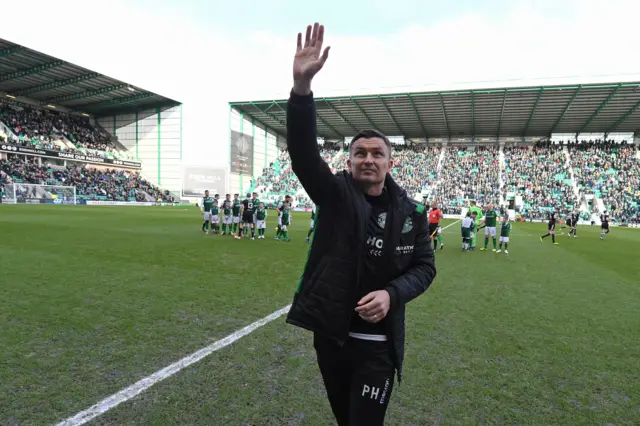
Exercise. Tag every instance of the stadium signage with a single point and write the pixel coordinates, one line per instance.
(17, 149)
(119, 203)
(197, 179)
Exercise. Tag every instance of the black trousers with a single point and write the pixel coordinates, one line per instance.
(358, 378)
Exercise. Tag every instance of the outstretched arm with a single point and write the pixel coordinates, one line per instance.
(312, 171)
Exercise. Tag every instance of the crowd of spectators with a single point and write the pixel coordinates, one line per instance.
(610, 171)
(91, 183)
(540, 174)
(416, 167)
(46, 129)
(278, 177)
(468, 174)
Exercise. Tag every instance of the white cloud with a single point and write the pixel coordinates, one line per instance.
(205, 69)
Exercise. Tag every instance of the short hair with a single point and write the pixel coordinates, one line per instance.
(370, 133)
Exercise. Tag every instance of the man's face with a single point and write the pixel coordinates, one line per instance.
(369, 160)
(434, 205)
(206, 193)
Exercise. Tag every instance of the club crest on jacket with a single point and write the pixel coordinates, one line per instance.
(382, 219)
(407, 226)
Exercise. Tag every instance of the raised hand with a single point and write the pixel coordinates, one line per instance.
(308, 61)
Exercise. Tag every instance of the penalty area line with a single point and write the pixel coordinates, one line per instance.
(144, 384)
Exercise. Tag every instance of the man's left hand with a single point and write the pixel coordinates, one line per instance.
(374, 306)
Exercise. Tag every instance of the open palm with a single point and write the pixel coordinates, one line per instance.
(308, 61)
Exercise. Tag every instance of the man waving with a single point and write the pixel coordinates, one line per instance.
(370, 256)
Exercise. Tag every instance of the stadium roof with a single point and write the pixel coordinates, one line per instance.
(50, 81)
(515, 111)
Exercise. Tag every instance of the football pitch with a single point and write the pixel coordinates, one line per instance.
(93, 299)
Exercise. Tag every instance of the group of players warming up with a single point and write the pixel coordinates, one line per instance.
(572, 222)
(239, 218)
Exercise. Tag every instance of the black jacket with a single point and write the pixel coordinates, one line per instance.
(327, 292)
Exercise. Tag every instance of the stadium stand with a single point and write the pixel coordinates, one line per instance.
(468, 173)
(92, 183)
(611, 172)
(31, 126)
(416, 167)
(494, 143)
(540, 175)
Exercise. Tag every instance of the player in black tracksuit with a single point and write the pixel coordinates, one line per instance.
(363, 245)
(573, 224)
(604, 224)
(551, 228)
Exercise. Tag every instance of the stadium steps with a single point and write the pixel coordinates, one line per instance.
(501, 172)
(67, 144)
(112, 138)
(574, 185)
(6, 129)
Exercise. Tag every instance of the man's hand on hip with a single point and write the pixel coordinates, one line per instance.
(374, 306)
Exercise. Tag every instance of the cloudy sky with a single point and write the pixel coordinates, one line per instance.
(207, 53)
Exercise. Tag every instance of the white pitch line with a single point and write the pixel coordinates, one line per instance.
(144, 384)
(451, 224)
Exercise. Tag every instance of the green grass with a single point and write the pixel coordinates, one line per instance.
(93, 299)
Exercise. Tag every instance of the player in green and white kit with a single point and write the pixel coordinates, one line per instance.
(235, 211)
(207, 205)
(490, 222)
(280, 209)
(478, 211)
(285, 220)
(468, 223)
(505, 232)
(215, 217)
(261, 220)
(226, 217)
(312, 224)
